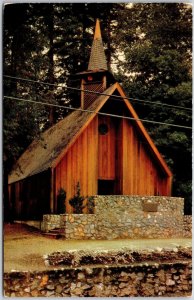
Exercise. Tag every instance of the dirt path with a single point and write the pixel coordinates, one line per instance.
(25, 247)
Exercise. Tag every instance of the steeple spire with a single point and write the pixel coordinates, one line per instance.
(97, 57)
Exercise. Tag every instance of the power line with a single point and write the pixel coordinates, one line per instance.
(116, 97)
(92, 111)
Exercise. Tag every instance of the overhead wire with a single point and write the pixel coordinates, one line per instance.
(93, 111)
(115, 97)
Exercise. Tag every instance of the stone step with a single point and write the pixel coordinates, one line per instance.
(57, 230)
(53, 235)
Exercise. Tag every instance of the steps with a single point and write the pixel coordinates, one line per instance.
(56, 233)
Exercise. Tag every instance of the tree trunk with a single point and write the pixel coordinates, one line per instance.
(50, 22)
(8, 213)
(108, 43)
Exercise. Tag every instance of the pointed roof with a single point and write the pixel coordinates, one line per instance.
(47, 151)
(97, 57)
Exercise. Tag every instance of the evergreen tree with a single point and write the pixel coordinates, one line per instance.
(156, 44)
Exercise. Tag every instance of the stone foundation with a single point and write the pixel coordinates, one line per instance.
(120, 217)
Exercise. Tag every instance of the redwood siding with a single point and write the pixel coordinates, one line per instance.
(141, 175)
(106, 150)
(120, 155)
(30, 198)
(80, 165)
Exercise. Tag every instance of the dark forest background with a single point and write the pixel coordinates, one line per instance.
(148, 49)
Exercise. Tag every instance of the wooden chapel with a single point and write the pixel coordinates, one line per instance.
(103, 146)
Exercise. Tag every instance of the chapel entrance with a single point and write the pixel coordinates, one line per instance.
(106, 187)
(109, 156)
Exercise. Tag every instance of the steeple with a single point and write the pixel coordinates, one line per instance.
(97, 57)
(97, 78)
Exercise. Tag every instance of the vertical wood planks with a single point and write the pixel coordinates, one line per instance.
(106, 150)
(121, 154)
(80, 165)
(141, 175)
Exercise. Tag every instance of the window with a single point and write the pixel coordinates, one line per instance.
(103, 129)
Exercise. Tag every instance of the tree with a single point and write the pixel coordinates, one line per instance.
(19, 127)
(156, 46)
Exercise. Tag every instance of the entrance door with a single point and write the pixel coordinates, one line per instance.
(106, 148)
(110, 155)
(106, 187)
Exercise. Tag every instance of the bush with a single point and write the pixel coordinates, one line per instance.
(61, 197)
(77, 201)
(90, 205)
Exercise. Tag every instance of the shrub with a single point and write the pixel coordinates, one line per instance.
(77, 201)
(90, 205)
(61, 197)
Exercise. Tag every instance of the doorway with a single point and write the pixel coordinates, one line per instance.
(106, 187)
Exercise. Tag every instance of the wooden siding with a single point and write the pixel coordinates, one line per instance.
(119, 158)
(79, 165)
(29, 198)
(106, 150)
(141, 174)
(120, 155)
(145, 134)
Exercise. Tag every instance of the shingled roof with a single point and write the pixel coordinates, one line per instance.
(97, 57)
(46, 151)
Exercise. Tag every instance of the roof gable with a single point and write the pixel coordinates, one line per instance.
(47, 151)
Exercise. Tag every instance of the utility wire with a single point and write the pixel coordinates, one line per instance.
(92, 111)
(116, 97)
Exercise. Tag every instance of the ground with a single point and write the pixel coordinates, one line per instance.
(25, 247)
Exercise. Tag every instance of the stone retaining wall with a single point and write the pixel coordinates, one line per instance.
(120, 217)
(79, 226)
(138, 217)
(165, 279)
(187, 222)
(125, 256)
(50, 222)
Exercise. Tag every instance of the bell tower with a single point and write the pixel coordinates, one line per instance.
(97, 78)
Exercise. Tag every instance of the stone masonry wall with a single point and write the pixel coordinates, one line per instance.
(138, 217)
(124, 217)
(187, 226)
(79, 226)
(165, 279)
(50, 222)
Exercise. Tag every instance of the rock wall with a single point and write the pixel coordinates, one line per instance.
(138, 217)
(125, 256)
(187, 223)
(165, 279)
(79, 226)
(50, 222)
(120, 217)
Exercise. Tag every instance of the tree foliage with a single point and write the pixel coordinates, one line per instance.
(157, 60)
